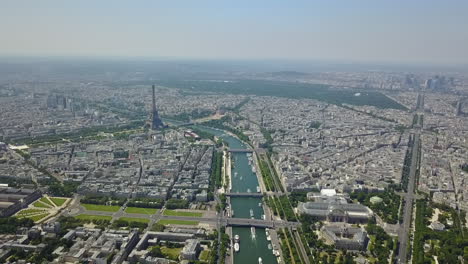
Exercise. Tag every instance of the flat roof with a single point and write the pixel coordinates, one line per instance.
(20, 147)
(4, 205)
(328, 192)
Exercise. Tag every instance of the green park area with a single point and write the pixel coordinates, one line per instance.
(33, 214)
(138, 210)
(43, 202)
(30, 211)
(49, 202)
(99, 207)
(171, 253)
(89, 217)
(182, 213)
(205, 255)
(46, 201)
(38, 217)
(40, 208)
(40, 205)
(385, 204)
(177, 222)
(58, 201)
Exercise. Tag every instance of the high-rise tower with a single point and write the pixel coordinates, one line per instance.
(156, 121)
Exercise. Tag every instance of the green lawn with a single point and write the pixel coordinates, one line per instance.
(98, 207)
(177, 222)
(157, 227)
(37, 217)
(58, 201)
(171, 253)
(47, 201)
(42, 205)
(179, 213)
(93, 217)
(204, 255)
(138, 210)
(30, 211)
(132, 219)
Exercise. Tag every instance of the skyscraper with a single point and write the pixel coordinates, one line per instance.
(156, 120)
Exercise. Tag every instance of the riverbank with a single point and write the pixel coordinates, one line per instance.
(242, 175)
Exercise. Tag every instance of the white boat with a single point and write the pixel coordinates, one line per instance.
(249, 191)
(252, 231)
(253, 169)
(259, 204)
(232, 213)
(268, 238)
(258, 189)
(236, 238)
(263, 217)
(236, 247)
(269, 246)
(251, 213)
(260, 260)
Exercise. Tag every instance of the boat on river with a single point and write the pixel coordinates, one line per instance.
(252, 231)
(267, 233)
(236, 247)
(260, 260)
(236, 238)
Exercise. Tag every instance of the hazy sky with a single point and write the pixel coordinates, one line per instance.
(347, 30)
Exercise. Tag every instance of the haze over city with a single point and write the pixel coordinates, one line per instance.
(346, 31)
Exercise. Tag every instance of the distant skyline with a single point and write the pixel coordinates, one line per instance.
(397, 31)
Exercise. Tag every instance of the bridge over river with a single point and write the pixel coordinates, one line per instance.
(244, 222)
(242, 194)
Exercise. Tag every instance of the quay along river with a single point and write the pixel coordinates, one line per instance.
(253, 241)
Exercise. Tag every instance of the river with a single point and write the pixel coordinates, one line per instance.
(243, 179)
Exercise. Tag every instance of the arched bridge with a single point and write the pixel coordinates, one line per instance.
(247, 194)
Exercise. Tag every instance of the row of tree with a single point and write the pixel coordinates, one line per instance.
(103, 200)
(177, 204)
(9, 225)
(131, 224)
(146, 202)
